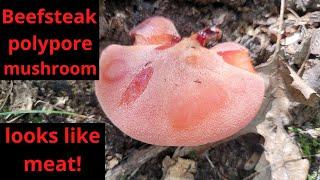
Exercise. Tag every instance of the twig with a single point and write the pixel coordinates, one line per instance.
(41, 112)
(294, 13)
(209, 160)
(305, 50)
(14, 119)
(298, 19)
(275, 55)
(280, 28)
(133, 173)
(134, 161)
(301, 69)
(213, 167)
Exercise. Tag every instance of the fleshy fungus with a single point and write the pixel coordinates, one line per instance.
(173, 91)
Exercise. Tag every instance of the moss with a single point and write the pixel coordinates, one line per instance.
(313, 175)
(35, 118)
(309, 146)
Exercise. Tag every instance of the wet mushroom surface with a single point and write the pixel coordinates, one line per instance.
(173, 91)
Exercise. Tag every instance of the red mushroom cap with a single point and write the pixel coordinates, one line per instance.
(180, 95)
(234, 54)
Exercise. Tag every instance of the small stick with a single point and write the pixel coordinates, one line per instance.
(41, 112)
(134, 162)
(209, 160)
(280, 30)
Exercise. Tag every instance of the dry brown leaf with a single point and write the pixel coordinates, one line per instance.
(112, 163)
(315, 43)
(291, 39)
(281, 153)
(22, 96)
(298, 89)
(61, 101)
(311, 18)
(314, 133)
(282, 158)
(311, 74)
(304, 5)
(178, 169)
(302, 53)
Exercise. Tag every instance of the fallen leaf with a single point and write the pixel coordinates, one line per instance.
(315, 43)
(302, 53)
(314, 133)
(22, 96)
(178, 168)
(112, 162)
(311, 18)
(252, 161)
(311, 74)
(291, 39)
(299, 90)
(281, 152)
(282, 158)
(61, 101)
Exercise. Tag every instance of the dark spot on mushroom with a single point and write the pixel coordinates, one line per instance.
(147, 64)
(137, 86)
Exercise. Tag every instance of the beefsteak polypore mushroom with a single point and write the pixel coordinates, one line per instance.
(172, 91)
